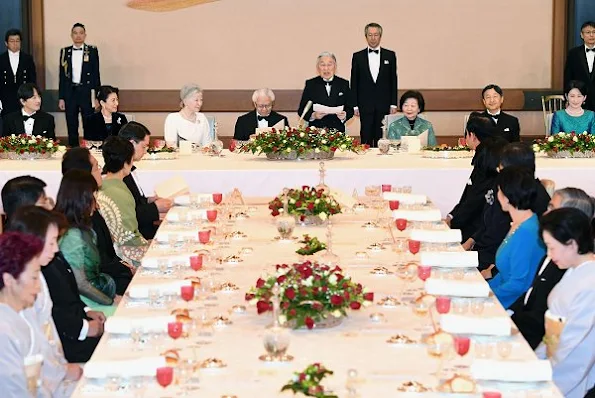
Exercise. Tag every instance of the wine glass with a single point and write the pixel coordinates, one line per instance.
(423, 271)
(504, 348)
(441, 351)
(401, 224)
(217, 147)
(187, 293)
(217, 197)
(483, 350)
(185, 373)
(212, 215)
(165, 376)
(414, 246)
(386, 187)
(136, 334)
(443, 304)
(405, 272)
(172, 239)
(153, 297)
(204, 236)
(477, 307)
(196, 262)
(393, 204)
(174, 329)
(461, 345)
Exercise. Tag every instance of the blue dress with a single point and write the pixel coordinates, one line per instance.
(562, 122)
(517, 260)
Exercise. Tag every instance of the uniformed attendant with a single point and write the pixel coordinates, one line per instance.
(79, 81)
(16, 68)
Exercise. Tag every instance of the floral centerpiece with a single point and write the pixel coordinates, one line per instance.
(308, 204)
(567, 145)
(28, 147)
(159, 150)
(311, 246)
(308, 381)
(301, 143)
(444, 151)
(310, 294)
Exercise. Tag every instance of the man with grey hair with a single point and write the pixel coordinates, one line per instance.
(374, 84)
(262, 116)
(328, 90)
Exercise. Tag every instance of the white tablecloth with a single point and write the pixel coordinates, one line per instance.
(359, 343)
(442, 180)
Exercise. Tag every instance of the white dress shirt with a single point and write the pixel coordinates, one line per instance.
(374, 61)
(14, 61)
(77, 64)
(543, 265)
(590, 59)
(328, 86)
(495, 119)
(29, 122)
(261, 123)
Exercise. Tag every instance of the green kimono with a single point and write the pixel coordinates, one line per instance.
(117, 206)
(401, 127)
(97, 289)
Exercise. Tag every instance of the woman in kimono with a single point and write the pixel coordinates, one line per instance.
(19, 286)
(57, 375)
(412, 104)
(569, 340)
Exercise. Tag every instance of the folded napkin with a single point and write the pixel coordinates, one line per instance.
(406, 198)
(125, 369)
(513, 371)
(437, 236)
(184, 200)
(166, 230)
(418, 215)
(476, 324)
(174, 214)
(123, 325)
(153, 260)
(343, 198)
(464, 259)
(141, 291)
(475, 287)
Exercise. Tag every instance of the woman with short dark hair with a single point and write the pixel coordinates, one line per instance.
(521, 250)
(116, 203)
(569, 340)
(412, 103)
(107, 121)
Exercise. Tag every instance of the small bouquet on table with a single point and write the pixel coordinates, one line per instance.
(309, 205)
(159, 150)
(27, 147)
(447, 152)
(308, 381)
(567, 145)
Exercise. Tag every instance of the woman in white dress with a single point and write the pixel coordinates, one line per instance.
(569, 340)
(188, 124)
(19, 286)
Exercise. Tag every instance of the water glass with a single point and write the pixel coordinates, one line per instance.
(163, 266)
(172, 240)
(153, 297)
(477, 307)
(460, 306)
(504, 348)
(114, 382)
(136, 334)
(483, 350)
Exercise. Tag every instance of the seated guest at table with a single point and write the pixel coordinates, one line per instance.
(506, 124)
(189, 124)
(78, 327)
(329, 90)
(529, 309)
(56, 373)
(466, 214)
(22, 191)
(569, 340)
(262, 116)
(495, 223)
(574, 117)
(116, 203)
(412, 104)
(19, 285)
(147, 209)
(121, 271)
(76, 201)
(521, 250)
(30, 120)
(108, 120)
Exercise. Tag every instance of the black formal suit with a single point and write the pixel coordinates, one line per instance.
(529, 317)
(466, 215)
(577, 68)
(44, 125)
(315, 91)
(97, 130)
(507, 125)
(9, 83)
(247, 124)
(110, 263)
(68, 310)
(77, 97)
(496, 224)
(146, 213)
(373, 99)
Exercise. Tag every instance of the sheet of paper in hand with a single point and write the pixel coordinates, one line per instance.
(327, 109)
(173, 187)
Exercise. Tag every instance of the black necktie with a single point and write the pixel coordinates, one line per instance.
(263, 118)
(373, 51)
(590, 49)
(77, 49)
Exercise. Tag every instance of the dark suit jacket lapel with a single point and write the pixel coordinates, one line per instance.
(582, 55)
(253, 121)
(366, 62)
(69, 61)
(39, 126)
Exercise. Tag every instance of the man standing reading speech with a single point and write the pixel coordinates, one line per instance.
(374, 85)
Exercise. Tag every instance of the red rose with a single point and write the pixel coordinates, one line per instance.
(284, 305)
(292, 312)
(354, 305)
(317, 277)
(310, 206)
(302, 377)
(262, 306)
(275, 213)
(314, 291)
(309, 322)
(333, 149)
(337, 269)
(290, 293)
(336, 300)
(324, 289)
(249, 296)
(303, 292)
(359, 288)
(281, 279)
(298, 204)
(260, 283)
(339, 277)
(346, 296)
(369, 296)
(317, 306)
(305, 187)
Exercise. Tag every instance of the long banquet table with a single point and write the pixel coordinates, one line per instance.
(443, 180)
(358, 343)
